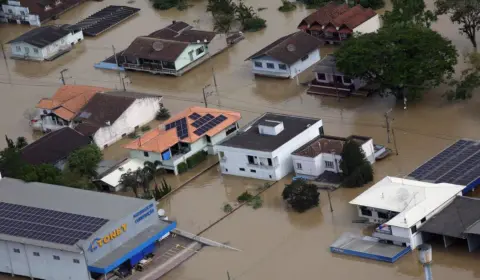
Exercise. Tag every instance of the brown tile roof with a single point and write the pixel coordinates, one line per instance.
(327, 144)
(37, 7)
(69, 99)
(158, 140)
(291, 48)
(338, 16)
(183, 34)
(142, 47)
(178, 26)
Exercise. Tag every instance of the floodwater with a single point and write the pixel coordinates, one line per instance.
(276, 243)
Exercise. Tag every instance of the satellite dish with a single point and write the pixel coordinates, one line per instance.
(403, 194)
(291, 47)
(157, 46)
(161, 212)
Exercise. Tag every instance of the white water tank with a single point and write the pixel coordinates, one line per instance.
(425, 253)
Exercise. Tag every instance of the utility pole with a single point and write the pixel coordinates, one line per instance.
(387, 122)
(122, 78)
(228, 275)
(116, 63)
(330, 199)
(6, 62)
(62, 76)
(394, 141)
(206, 94)
(219, 102)
(335, 82)
(425, 257)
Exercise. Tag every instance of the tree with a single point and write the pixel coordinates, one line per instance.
(244, 12)
(151, 168)
(465, 13)
(356, 169)
(469, 80)
(11, 163)
(301, 195)
(21, 143)
(373, 4)
(401, 60)
(144, 177)
(163, 191)
(226, 7)
(73, 179)
(129, 180)
(409, 12)
(84, 161)
(287, 6)
(44, 173)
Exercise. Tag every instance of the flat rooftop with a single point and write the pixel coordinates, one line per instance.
(327, 144)
(458, 164)
(412, 199)
(250, 138)
(459, 217)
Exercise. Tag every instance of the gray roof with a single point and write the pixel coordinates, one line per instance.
(250, 138)
(327, 65)
(459, 217)
(42, 36)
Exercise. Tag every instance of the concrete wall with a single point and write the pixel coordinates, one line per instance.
(141, 112)
(300, 66)
(184, 59)
(370, 26)
(218, 44)
(264, 70)
(22, 49)
(13, 10)
(369, 151)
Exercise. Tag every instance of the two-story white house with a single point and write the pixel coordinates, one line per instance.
(110, 116)
(45, 42)
(324, 154)
(189, 132)
(400, 206)
(263, 148)
(287, 57)
(14, 12)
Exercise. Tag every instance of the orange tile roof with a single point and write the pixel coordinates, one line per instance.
(64, 113)
(158, 140)
(71, 98)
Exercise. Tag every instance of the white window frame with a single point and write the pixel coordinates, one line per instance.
(299, 166)
(270, 64)
(258, 64)
(329, 164)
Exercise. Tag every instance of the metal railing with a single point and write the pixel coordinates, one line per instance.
(149, 68)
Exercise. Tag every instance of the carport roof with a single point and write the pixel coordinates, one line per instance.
(458, 218)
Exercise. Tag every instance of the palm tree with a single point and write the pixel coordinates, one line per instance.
(130, 180)
(21, 142)
(151, 169)
(143, 178)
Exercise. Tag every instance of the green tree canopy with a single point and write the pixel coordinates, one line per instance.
(402, 60)
(45, 173)
(356, 169)
(409, 12)
(129, 180)
(301, 195)
(84, 161)
(465, 13)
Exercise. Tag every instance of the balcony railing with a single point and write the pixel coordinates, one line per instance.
(261, 166)
(149, 68)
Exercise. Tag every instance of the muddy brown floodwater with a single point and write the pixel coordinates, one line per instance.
(275, 243)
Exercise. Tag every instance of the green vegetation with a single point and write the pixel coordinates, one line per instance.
(227, 13)
(182, 167)
(162, 114)
(356, 169)
(468, 82)
(254, 24)
(227, 208)
(244, 197)
(168, 4)
(133, 135)
(373, 4)
(287, 6)
(145, 128)
(196, 159)
(403, 61)
(129, 180)
(165, 189)
(301, 195)
(465, 13)
(84, 161)
(254, 201)
(408, 13)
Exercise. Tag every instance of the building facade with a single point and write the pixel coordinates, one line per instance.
(268, 66)
(14, 12)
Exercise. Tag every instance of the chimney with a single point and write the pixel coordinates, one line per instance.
(269, 127)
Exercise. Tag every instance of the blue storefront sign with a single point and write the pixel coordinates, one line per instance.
(144, 213)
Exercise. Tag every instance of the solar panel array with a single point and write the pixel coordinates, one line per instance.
(46, 225)
(209, 125)
(458, 164)
(194, 116)
(203, 120)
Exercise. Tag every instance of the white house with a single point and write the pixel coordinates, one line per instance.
(189, 132)
(287, 57)
(172, 50)
(401, 206)
(324, 154)
(263, 148)
(45, 43)
(110, 116)
(14, 12)
(111, 178)
(334, 23)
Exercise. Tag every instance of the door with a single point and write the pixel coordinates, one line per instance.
(190, 54)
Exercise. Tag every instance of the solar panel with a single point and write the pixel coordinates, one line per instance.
(194, 116)
(169, 126)
(209, 125)
(47, 225)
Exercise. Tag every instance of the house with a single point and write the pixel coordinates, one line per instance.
(458, 222)
(60, 110)
(45, 43)
(263, 148)
(109, 180)
(287, 57)
(328, 79)
(172, 50)
(323, 153)
(335, 23)
(400, 206)
(54, 147)
(194, 130)
(110, 116)
(35, 12)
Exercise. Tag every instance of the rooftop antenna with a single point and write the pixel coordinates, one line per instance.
(291, 47)
(157, 46)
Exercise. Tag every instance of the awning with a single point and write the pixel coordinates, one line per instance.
(132, 247)
(330, 29)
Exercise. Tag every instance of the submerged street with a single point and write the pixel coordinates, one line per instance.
(275, 243)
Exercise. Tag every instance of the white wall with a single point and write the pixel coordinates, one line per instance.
(22, 49)
(141, 112)
(308, 166)
(370, 26)
(300, 66)
(184, 58)
(369, 151)
(274, 72)
(13, 10)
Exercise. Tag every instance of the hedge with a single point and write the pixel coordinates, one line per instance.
(196, 159)
(182, 167)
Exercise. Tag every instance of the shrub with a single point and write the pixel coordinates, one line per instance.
(162, 114)
(163, 191)
(227, 208)
(182, 167)
(133, 135)
(357, 171)
(374, 4)
(256, 202)
(254, 24)
(287, 6)
(147, 195)
(165, 4)
(244, 197)
(360, 176)
(196, 159)
(301, 195)
(145, 128)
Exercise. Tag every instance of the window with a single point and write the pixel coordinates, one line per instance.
(269, 162)
(199, 51)
(423, 220)
(10, 11)
(282, 66)
(347, 80)
(232, 129)
(342, 35)
(18, 48)
(270, 176)
(123, 135)
(209, 139)
(414, 229)
(16, 250)
(270, 66)
(382, 215)
(36, 254)
(251, 160)
(321, 76)
(305, 58)
(76, 261)
(57, 258)
(27, 49)
(258, 64)
(226, 170)
(365, 211)
(299, 166)
(35, 50)
(22, 13)
(328, 164)
(253, 170)
(242, 169)
(145, 154)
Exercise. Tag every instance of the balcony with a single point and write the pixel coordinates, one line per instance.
(150, 67)
(261, 166)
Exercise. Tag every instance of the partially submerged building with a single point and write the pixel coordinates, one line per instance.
(334, 23)
(287, 57)
(45, 43)
(402, 206)
(110, 179)
(263, 148)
